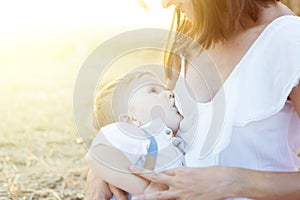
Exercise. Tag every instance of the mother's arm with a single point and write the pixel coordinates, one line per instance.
(295, 98)
(218, 183)
(97, 188)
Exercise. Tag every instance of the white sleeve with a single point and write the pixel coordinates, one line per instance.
(271, 75)
(126, 141)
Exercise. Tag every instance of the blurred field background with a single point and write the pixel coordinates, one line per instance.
(294, 5)
(43, 44)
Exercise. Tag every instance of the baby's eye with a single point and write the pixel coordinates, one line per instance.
(153, 90)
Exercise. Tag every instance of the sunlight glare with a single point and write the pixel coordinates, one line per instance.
(17, 14)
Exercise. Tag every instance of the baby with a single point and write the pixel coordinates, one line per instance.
(139, 121)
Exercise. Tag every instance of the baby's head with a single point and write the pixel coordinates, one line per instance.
(137, 98)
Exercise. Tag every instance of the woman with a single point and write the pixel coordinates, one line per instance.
(255, 44)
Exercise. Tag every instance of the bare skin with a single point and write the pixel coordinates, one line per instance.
(218, 183)
(96, 187)
(295, 98)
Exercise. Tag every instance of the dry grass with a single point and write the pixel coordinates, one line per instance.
(40, 157)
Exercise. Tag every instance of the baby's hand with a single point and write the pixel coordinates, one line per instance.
(96, 187)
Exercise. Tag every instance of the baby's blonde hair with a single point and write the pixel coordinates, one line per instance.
(106, 99)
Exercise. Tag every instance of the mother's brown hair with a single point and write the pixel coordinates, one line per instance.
(213, 21)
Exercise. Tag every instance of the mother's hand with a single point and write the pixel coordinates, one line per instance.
(212, 183)
(99, 189)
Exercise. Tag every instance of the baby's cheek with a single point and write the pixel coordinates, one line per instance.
(157, 112)
(173, 122)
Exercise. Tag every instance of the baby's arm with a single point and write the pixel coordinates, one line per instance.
(112, 166)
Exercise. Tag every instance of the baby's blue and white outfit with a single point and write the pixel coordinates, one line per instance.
(153, 139)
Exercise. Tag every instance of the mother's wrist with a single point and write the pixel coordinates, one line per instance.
(248, 183)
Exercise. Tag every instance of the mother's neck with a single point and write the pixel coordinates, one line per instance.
(266, 16)
(270, 13)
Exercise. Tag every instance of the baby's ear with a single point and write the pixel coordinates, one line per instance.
(124, 118)
(128, 119)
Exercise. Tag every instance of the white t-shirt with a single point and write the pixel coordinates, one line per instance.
(260, 128)
(134, 143)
